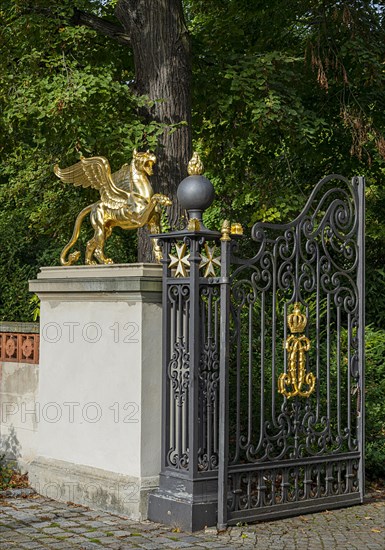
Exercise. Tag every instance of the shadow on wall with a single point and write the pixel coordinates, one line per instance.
(10, 445)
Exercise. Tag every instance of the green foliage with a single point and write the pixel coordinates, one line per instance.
(6, 473)
(63, 92)
(375, 403)
(35, 302)
(271, 123)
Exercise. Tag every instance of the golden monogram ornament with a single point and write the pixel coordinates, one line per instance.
(291, 383)
(127, 200)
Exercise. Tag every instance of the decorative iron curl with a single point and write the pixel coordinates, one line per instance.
(179, 462)
(240, 293)
(286, 276)
(176, 290)
(178, 372)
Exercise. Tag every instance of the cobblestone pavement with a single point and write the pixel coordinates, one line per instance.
(40, 523)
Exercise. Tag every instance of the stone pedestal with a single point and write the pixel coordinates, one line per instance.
(99, 400)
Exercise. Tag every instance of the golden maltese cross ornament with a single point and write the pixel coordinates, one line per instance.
(180, 261)
(209, 261)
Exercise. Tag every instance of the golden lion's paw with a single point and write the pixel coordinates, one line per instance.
(162, 199)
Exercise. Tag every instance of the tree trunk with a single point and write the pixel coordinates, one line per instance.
(161, 48)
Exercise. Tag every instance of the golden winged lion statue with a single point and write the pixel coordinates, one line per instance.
(127, 200)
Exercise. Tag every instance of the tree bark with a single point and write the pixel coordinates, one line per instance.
(161, 47)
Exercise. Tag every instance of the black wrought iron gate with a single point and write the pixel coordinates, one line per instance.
(263, 365)
(291, 419)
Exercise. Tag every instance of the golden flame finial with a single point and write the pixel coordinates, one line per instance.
(225, 230)
(195, 166)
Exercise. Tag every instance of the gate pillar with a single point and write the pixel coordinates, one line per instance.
(98, 400)
(187, 496)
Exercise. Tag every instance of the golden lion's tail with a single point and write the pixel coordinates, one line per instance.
(74, 256)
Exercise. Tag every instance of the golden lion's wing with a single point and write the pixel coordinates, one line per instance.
(121, 178)
(92, 172)
(95, 172)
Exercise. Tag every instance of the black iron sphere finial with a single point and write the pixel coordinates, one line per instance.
(195, 193)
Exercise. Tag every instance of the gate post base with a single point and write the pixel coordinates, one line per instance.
(97, 412)
(189, 505)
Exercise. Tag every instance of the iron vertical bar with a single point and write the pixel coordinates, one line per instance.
(361, 329)
(250, 378)
(186, 329)
(208, 404)
(262, 388)
(165, 356)
(194, 347)
(203, 380)
(223, 443)
(273, 339)
(178, 408)
(317, 329)
(339, 479)
(338, 366)
(297, 243)
(328, 400)
(238, 383)
(349, 382)
(285, 337)
(169, 396)
(215, 403)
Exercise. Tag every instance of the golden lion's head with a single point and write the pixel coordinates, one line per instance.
(144, 162)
